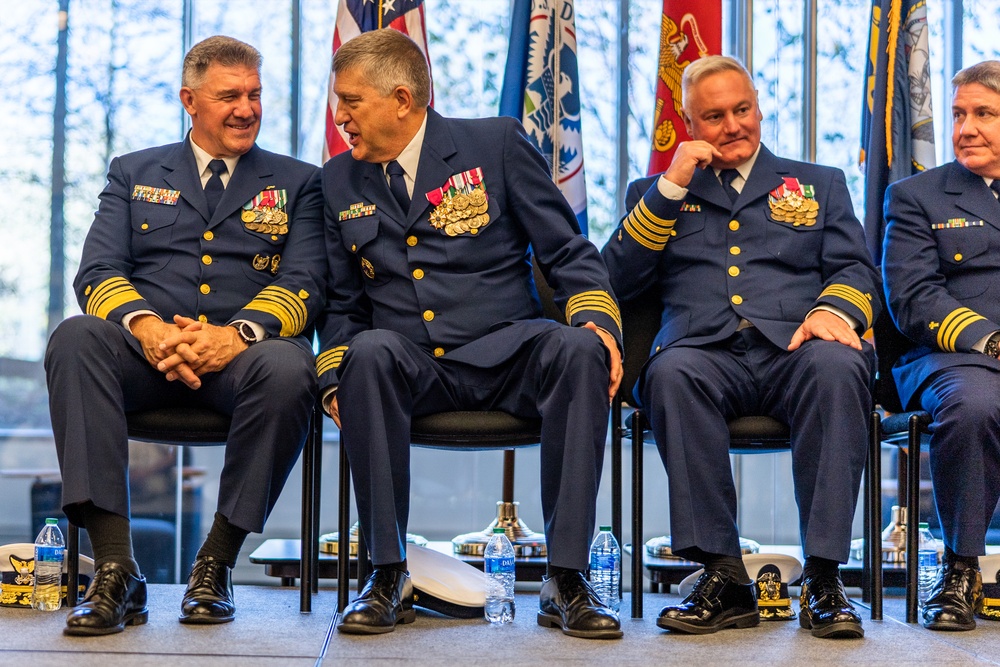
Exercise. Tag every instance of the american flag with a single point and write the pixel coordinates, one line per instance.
(355, 17)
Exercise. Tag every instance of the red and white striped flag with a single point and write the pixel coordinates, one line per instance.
(355, 17)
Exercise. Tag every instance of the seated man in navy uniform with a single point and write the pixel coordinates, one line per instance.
(432, 307)
(941, 269)
(200, 275)
(766, 286)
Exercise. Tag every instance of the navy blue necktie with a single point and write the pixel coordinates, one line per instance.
(995, 187)
(727, 176)
(214, 187)
(397, 185)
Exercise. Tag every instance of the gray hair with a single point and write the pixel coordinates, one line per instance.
(708, 65)
(388, 59)
(986, 73)
(217, 50)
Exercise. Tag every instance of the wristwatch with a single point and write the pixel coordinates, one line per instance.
(992, 348)
(245, 332)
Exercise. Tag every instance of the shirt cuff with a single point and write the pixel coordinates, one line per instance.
(327, 398)
(669, 189)
(128, 317)
(851, 322)
(259, 332)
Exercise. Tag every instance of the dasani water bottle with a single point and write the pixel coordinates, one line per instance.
(498, 563)
(606, 568)
(49, 552)
(927, 563)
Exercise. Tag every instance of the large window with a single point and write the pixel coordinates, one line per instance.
(122, 74)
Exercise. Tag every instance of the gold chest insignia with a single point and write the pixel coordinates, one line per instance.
(367, 268)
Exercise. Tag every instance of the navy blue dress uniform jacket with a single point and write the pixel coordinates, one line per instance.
(712, 270)
(941, 266)
(446, 293)
(153, 247)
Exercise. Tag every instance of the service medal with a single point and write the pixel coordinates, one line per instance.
(460, 204)
(794, 203)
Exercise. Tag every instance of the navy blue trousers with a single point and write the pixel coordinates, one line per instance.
(822, 391)
(560, 376)
(964, 404)
(95, 377)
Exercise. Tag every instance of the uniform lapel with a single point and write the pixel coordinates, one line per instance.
(252, 174)
(973, 195)
(433, 169)
(767, 174)
(183, 177)
(375, 190)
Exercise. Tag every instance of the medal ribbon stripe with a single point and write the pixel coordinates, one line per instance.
(648, 230)
(954, 324)
(596, 301)
(330, 359)
(288, 308)
(854, 297)
(111, 294)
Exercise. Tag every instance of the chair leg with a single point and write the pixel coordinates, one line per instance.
(317, 482)
(637, 543)
(307, 541)
(873, 517)
(73, 565)
(616, 476)
(344, 526)
(912, 517)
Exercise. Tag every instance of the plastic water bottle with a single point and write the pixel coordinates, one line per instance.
(498, 563)
(927, 563)
(49, 553)
(606, 568)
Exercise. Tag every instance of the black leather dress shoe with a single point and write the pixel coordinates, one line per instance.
(386, 599)
(717, 601)
(954, 599)
(209, 594)
(825, 609)
(114, 599)
(567, 601)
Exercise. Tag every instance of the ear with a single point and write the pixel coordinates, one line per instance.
(687, 123)
(404, 101)
(187, 99)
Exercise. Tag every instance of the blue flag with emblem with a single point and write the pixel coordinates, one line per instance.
(541, 88)
(897, 131)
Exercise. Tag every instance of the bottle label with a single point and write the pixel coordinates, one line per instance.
(603, 561)
(927, 558)
(498, 564)
(49, 554)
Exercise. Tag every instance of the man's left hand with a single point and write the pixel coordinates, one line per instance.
(828, 326)
(616, 358)
(205, 348)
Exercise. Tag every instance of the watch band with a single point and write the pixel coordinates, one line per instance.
(992, 347)
(245, 332)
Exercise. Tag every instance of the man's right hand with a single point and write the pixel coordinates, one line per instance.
(333, 409)
(689, 156)
(150, 331)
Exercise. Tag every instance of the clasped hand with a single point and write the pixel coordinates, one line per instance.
(186, 349)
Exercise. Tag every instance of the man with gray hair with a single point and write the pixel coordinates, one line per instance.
(200, 278)
(431, 224)
(766, 287)
(942, 272)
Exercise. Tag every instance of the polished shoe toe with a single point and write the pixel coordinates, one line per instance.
(955, 598)
(825, 609)
(209, 594)
(716, 602)
(386, 599)
(114, 599)
(568, 602)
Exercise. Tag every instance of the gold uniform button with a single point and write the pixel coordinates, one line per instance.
(428, 315)
(303, 294)
(208, 236)
(206, 259)
(205, 289)
(734, 271)
(145, 226)
(958, 257)
(418, 273)
(734, 225)
(411, 241)
(202, 319)
(274, 238)
(354, 248)
(735, 250)
(438, 351)
(737, 299)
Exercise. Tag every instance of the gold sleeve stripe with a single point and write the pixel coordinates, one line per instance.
(594, 300)
(648, 230)
(854, 297)
(330, 359)
(111, 294)
(953, 325)
(286, 306)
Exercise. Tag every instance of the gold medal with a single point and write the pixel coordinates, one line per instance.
(248, 216)
(477, 198)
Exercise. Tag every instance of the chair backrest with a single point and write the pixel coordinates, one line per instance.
(890, 345)
(640, 324)
(547, 295)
